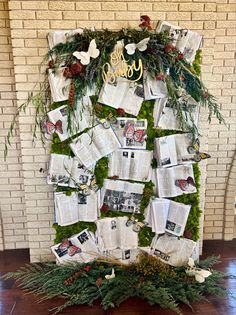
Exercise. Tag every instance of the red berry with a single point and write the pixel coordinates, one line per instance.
(180, 56)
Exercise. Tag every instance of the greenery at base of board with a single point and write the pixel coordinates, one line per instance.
(148, 278)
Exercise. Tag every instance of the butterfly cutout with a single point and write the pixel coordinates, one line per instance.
(65, 244)
(106, 122)
(51, 128)
(84, 56)
(194, 149)
(183, 184)
(200, 274)
(72, 250)
(141, 46)
(132, 134)
(137, 225)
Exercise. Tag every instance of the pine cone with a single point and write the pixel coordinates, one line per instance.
(71, 99)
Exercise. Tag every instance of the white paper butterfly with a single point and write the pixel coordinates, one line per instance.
(84, 56)
(141, 46)
(200, 274)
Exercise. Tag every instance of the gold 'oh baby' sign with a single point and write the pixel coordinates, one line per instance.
(118, 67)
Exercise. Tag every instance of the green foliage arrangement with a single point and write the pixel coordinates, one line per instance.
(148, 278)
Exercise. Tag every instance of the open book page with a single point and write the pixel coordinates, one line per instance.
(122, 94)
(59, 169)
(63, 257)
(153, 88)
(88, 207)
(172, 250)
(92, 146)
(167, 178)
(108, 233)
(66, 208)
(177, 218)
(173, 30)
(183, 141)
(126, 256)
(80, 120)
(159, 106)
(80, 175)
(59, 85)
(113, 233)
(192, 44)
(129, 164)
(85, 240)
(165, 151)
(122, 196)
(131, 132)
(156, 214)
(128, 238)
(169, 120)
(188, 42)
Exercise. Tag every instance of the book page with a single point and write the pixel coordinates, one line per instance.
(85, 240)
(92, 146)
(153, 88)
(88, 207)
(122, 196)
(122, 94)
(108, 233)
(165, 151)
(128, 238)
(172, 250)
(166, 180)
(59, 85)
(66, 208)
(80, 175)
(131, 132)
(183, 141)
(159, 106)
(157, 215)
(128, 164)
(177, 218)
(105, 140)
(59, 169)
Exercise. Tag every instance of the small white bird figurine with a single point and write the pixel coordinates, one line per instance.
(108, 277)
(200, 274)
(84, 56)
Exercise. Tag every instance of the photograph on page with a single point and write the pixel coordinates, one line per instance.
(122, 196)
(131, 132)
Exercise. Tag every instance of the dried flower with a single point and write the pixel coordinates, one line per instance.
(160, 77)
(104, 208)
(99, 282)
(120, 111)
(169, 48)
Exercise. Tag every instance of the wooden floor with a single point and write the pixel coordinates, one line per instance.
(13, 302)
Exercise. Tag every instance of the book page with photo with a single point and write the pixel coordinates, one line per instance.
(122, 196)
(131, 132)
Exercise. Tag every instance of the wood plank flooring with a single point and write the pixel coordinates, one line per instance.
(14, 302)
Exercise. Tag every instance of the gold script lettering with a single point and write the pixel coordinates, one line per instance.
(118, 67)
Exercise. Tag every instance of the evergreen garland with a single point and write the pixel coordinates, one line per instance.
(148, 278)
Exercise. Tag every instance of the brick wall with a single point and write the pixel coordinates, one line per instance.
(30, 22)
(13, 227)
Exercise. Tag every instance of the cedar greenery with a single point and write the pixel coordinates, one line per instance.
(148, 278)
